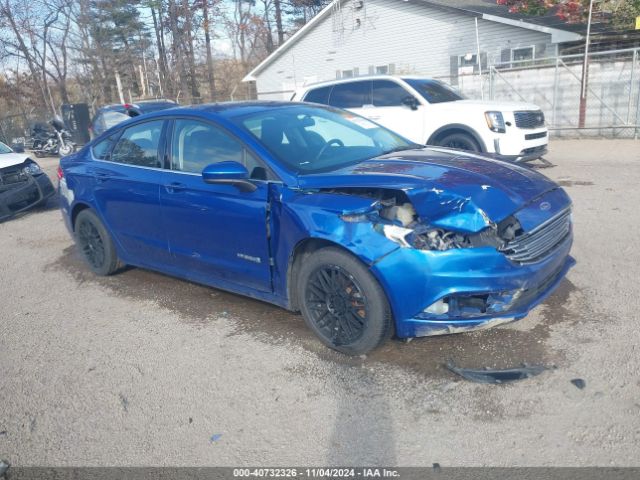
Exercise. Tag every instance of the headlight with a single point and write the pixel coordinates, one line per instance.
(495, 122)
(424, 238)
(32, 168)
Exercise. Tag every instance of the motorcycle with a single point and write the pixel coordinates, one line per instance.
(47, 142)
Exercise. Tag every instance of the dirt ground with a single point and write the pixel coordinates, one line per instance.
(144, 369)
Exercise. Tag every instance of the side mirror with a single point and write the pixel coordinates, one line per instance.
(228, 173)
(411, 102)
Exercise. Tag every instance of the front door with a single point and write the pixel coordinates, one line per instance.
(389, 109)
(214, 231)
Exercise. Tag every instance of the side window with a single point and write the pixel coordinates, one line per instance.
(351, 95)
(102, 149)
(388, 94)
(318, 95)
(197, 144)
(138, 145)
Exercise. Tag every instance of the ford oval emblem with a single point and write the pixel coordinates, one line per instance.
(544, 206)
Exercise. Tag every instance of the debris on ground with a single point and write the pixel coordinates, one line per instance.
(578, 382)
(4, 466)
(215, 437)
(124, 401)
(496, 376)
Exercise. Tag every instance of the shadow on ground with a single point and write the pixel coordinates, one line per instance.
(200, 306)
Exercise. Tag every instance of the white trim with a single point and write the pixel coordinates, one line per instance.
(557, 35)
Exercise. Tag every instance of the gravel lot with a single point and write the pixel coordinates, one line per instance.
(144, 369)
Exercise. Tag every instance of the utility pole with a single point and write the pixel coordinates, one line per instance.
(585, 72)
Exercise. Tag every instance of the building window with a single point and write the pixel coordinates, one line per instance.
(468, 64)
(522, 54)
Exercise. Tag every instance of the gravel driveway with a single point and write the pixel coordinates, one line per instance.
(144, 369)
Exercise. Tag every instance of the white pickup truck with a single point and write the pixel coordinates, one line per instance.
(427, 111)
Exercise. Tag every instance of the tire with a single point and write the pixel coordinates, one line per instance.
(67, 149)
(342, 303)
(95, 244)
(460, 141)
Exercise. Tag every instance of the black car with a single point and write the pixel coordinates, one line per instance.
(23, 184)
(111, 115)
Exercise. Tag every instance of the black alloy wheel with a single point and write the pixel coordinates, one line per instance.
(337, 305)
(342, 302)
(95, 243)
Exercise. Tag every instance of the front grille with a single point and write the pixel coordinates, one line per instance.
(529, 119)
(532, 246)
(11, 176)
(533, 136)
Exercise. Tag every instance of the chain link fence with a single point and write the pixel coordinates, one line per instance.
(554, 84)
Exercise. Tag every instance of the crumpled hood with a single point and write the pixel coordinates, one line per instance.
(448, 189)
(10, 159)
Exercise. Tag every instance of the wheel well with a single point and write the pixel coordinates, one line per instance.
(76, 210)
(302, 250)
(453, 129)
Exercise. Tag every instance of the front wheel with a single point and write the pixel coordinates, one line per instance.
(460, 141)
(95, 243)
(66, 149)
(342, 303)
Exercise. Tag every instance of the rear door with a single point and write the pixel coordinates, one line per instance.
(214, 231)
(127, 191)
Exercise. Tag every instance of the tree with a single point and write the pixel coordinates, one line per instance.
(620, 13)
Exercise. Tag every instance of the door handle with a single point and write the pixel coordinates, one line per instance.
(175, 187)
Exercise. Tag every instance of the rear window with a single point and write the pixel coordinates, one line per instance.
(351, 95)
(102, 149)
(318, 95)
(111, 119)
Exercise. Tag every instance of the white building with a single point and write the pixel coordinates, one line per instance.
(435, 38)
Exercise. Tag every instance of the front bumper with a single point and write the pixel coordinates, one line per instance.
(416, 279)
(20, 197)
(521, 145)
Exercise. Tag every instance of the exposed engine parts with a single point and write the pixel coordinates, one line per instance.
(397, 219)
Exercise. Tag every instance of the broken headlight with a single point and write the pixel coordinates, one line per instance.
(424, 238)
(32, 168)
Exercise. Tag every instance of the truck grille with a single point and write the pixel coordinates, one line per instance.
(532, 246)
(529, 119)
(11, 176)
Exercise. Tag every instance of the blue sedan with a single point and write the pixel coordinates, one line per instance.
(320, 211)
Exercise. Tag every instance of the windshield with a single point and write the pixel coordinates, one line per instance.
(313, 140)
(4, 148)
(434, 91)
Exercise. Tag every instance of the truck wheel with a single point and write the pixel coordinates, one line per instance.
(460, 141)
(342, 303)
(95, 244)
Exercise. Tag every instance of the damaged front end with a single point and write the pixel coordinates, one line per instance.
(454, 269)
(22, 187)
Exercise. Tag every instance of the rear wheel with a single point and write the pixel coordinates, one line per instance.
(342, 303)
(460, 141)
(95, 243)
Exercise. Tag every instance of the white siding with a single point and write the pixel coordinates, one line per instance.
(415, 38)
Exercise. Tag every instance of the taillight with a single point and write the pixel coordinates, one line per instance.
(60, 173)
